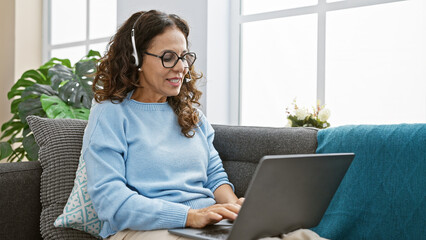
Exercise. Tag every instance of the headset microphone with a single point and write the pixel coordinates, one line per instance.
(190, 77)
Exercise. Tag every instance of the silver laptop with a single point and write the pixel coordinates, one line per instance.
(286, 193)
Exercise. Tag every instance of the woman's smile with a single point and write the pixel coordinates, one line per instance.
(176, 81)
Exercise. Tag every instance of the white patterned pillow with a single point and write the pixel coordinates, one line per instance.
(79, 212)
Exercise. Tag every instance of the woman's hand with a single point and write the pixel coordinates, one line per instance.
(224, 194)
(240, 201)
(199, 218)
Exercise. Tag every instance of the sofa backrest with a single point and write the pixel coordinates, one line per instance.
(241, 148)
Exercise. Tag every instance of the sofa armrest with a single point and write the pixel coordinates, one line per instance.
(20, 206)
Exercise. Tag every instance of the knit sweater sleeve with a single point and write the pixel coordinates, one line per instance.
(216, 175)
(118, 206)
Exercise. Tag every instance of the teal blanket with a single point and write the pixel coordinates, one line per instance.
(383, 195)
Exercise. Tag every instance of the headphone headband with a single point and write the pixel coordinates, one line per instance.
(135, 52)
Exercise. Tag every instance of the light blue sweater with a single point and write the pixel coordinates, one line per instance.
(143, 173)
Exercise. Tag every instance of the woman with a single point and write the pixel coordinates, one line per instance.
(151, 163)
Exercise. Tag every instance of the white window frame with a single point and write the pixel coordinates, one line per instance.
(48, 46)
(237, 19)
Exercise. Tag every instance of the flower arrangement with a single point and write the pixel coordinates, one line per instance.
(302, 117)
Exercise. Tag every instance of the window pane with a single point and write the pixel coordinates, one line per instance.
(103, 18)
(278, 60)
(74, 54)
(375, 64)
(68, 21)
(100, 47)
(256, 6)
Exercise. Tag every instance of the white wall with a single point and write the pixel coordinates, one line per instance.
(28, 35)
(20, 45)
(209, 38)
(218, 62)
(7, 56)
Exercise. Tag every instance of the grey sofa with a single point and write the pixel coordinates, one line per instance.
(382, 196)
(28, 209)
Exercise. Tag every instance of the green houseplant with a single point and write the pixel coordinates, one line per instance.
(54, 90)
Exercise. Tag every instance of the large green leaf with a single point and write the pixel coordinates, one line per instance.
(75, 87)
(17, 155)
(22, 83)
(56, 108)
(85, 67)
(32, 92)
(15, 118)
(19, 88)
(35, 75)
(31, 106)
(11, 129)
(16, 92)
(78, 92)
(74, 94)
(37, 90)
(27, 79)
(14, 105)
(52, 62)
(5, 150)
(30, 147)
(86, 73)
(58, 74)
(26, 131)
(81, 113)
(93, 55)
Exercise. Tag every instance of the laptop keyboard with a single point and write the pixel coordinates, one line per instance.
(218, 233)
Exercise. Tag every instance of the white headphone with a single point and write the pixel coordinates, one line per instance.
(135, 52)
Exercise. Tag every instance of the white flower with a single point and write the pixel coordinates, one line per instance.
(289, 123)
(301, 113)
(324, 114)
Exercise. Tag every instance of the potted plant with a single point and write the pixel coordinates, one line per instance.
(54, 90)
(302, 117)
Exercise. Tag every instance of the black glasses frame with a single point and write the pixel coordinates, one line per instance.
(183, 58)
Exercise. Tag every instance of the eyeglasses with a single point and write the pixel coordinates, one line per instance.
(169, 59)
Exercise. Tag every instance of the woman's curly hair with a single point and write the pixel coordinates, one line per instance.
(117, 73)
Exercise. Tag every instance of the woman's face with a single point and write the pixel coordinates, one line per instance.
(159, 82)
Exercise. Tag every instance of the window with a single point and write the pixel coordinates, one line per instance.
(73, 27)
(363, 59)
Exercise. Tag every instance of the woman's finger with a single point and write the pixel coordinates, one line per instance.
(240, 201)
(214, 217)
(226, 212)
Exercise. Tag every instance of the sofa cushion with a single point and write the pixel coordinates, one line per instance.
(60, 143)
(383, 194)
(79, 212)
